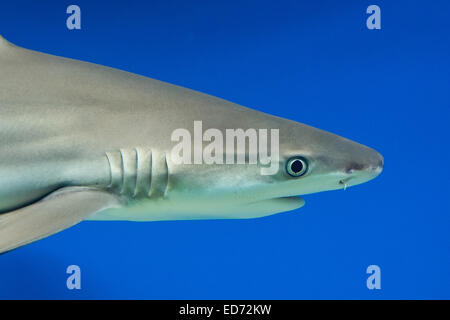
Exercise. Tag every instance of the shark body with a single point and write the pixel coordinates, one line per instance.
(83, 141)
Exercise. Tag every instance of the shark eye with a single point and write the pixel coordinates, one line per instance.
(296, 166)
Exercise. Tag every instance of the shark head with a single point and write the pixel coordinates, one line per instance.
(303, 160)
(313, 160)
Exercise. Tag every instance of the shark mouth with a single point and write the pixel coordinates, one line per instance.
(343, 183)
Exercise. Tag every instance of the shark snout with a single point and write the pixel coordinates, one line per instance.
(380, 163)
(373, 162)
(361, 169)
(376, 162)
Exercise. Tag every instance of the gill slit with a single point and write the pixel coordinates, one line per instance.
(110, 171)
(167, 175)
(149, 193)
(122, 164)
(136, 186)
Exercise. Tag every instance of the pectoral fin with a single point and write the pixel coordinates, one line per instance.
(56, 212)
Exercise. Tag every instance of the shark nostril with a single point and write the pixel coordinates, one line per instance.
(354, 167)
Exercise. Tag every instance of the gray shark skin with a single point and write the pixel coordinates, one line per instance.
(81, 141)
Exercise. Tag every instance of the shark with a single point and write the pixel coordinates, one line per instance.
(81, 141)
